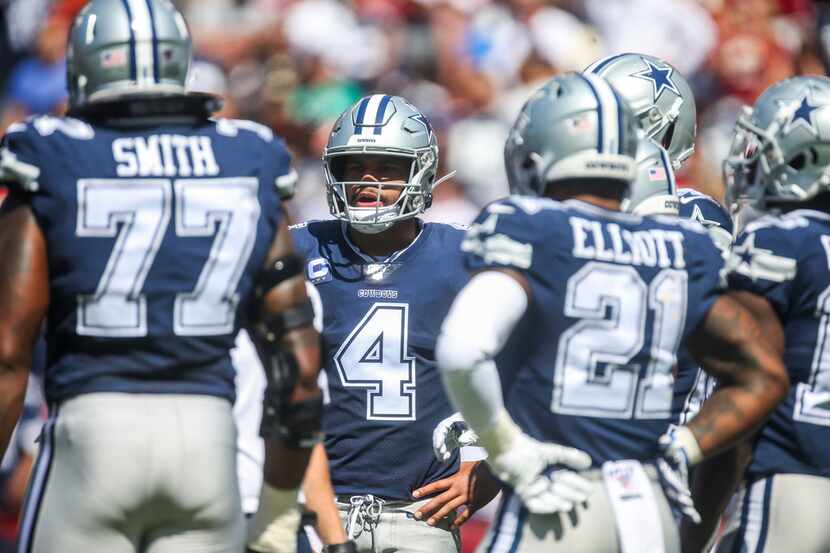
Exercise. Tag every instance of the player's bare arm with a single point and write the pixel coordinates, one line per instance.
(717, 478)
(289, 348)
(319, 498)
(284, 464)
(466, 491)
(731, 346)
(24, 297)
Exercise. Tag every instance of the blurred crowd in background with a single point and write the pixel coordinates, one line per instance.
(468, 64)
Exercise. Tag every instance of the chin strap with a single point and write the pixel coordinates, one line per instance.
(445, 178)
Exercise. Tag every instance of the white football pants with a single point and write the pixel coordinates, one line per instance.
(135, 473)
(783, 513)
(588, 528)
(390, 527)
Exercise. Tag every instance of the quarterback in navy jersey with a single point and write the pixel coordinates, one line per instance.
(144, 232)
(567, 335)
(385, 281)
(781, 267)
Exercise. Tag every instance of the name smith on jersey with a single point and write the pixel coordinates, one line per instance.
(164, 155)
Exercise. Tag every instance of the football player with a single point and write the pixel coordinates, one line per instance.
(781, 270)
(568, 331)
(386, 279)
(654, 190)
(665, 106)
(143, 232)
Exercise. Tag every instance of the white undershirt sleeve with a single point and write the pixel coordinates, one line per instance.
(478, 325)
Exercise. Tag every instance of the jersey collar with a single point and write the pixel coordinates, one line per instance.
(395, 256)
(607, 213)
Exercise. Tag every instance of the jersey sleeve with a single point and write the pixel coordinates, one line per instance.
(285, 180)
(709, 213)
(276, 162)
(707, 276)
(502, 236)
(301, 237)
(762, 262)
(20, 159)
(276, 153)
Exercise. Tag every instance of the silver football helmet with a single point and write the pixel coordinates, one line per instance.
(654, 192)
(659, 95)
(781, 146)
(124, 48)
(574, 127)
(381, 125)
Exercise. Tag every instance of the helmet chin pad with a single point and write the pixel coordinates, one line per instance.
(371, 220)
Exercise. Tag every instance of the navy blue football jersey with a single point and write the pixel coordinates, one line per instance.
(381, 318)
(787, 261)
(154, 236)
(693, 384)
(590, 364)
(707, 211)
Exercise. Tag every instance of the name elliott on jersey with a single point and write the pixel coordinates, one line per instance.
(608, 242)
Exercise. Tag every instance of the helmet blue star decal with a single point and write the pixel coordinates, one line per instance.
(803, 115)
(421, 118)
(660, 78)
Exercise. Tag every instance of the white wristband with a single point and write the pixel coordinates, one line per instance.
(688, 442)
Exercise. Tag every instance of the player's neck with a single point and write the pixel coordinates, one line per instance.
(396, 238)
(612, 204)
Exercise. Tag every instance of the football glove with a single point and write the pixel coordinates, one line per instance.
(450, 434)
(522, 462)
(678, 451)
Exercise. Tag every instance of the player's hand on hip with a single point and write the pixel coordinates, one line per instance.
(673, 469)
(450, 434)
(465, 492)
(524, 466)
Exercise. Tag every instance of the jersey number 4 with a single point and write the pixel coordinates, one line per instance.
(137, 213)
(594, 375)
(374, 356)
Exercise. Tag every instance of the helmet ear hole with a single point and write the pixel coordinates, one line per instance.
(666, 142)
(798, 162)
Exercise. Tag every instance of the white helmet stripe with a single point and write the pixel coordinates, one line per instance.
(602, 63)
(371, 113)
(608, 114)
(141, 26)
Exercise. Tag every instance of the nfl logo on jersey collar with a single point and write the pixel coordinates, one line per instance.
(377, 272)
